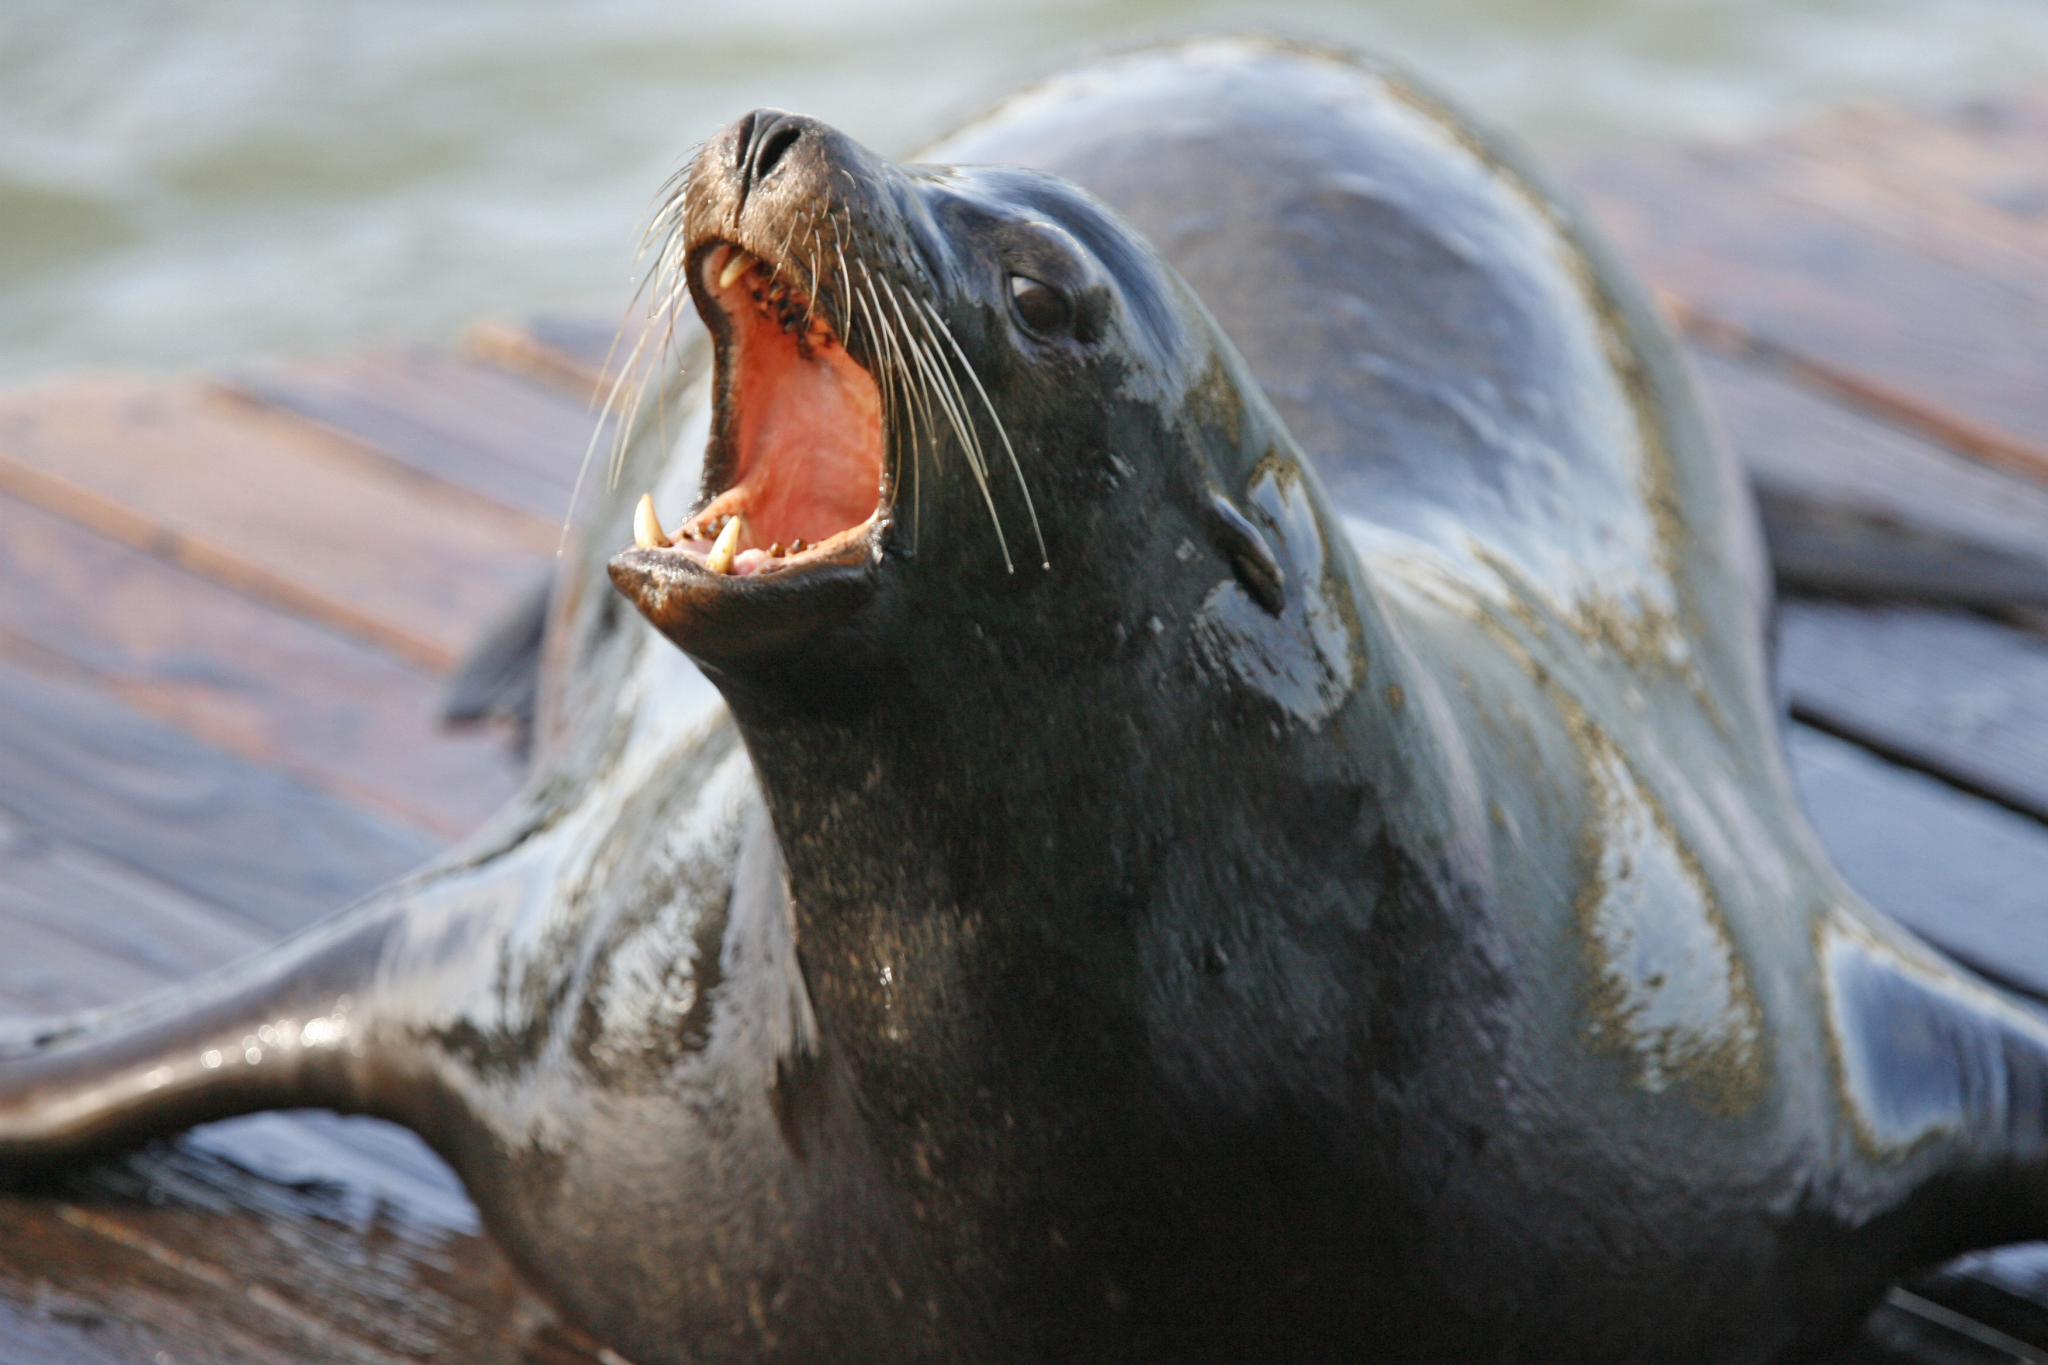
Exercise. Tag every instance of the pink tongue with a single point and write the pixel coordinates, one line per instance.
(748, 561)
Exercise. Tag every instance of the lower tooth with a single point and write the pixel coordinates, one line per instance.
(647, 532)
(728, 546)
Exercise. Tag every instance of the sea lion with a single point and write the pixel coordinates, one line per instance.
(1143, 867)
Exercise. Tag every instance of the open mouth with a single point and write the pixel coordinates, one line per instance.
(797, 448)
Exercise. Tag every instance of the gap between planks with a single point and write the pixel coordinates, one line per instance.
(273, 507)
(240, 674)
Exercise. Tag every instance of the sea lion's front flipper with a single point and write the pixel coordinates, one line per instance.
(499, 678)
(277, 1030)
(1942, 1076)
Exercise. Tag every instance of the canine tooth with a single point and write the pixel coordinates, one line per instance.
(735, 265)
(647, 532)
(727, 547)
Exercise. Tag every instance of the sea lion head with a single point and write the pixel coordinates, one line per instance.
(944, 397)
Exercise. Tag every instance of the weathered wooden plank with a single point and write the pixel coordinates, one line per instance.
(285, 1237)
(142, 1299)
(1951, 694)
(272, 850)
(241, 674)
(274, 1238)
(1968, 183)
(174, 1249)
(1851, 505)
(571, 354)
(1965, 874)
(1905, 408)
(1923, 1334)
(227, 1268)
(583, 354)
(470, 424)
(78, 929)
(2007, 1287)
(42, 1325)
(1706, 224)
(271, 506)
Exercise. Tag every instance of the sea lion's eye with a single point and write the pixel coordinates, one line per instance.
(1042, 308)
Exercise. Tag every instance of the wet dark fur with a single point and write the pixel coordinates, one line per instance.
(1349, 906)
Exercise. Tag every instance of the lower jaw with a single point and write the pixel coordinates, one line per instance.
(714, 595)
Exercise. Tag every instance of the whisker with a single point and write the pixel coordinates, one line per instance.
(1023, 485)
(946, 389)
(874, 333)
(787, 237)
(972, 432)
(915, 374)
(900, 373)
(918, 373)
(921, 374)
(957, 405)
(887, 362)
(887, 358)
(811, 305)
(846, 284)
(668, 282)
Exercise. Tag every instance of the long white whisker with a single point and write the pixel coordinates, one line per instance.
(917, 391)
(922, 371)
(811, 305)
(945, 390)
(888, 363)
(666, 279)
(881, 345)
(922, 383)
(901, 373)
(1023, 486)
(972, 432)
(957, 405)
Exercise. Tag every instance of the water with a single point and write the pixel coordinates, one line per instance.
(190, 182)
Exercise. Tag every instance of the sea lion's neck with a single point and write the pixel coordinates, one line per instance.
(1090, 920)
(1005, 846)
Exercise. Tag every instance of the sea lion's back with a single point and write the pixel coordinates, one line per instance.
(1472, 377)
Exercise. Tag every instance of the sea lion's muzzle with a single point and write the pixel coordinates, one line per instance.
(850, 321)
(767, 239)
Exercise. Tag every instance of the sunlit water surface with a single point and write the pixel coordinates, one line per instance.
(193, 182)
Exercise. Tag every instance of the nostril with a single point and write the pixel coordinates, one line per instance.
(772, 142)
(748, 126)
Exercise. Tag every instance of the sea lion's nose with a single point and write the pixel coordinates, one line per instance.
(764, 140)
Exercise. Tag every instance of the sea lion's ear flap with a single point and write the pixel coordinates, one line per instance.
(1251, 559)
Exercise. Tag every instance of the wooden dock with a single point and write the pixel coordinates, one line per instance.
(229, 604)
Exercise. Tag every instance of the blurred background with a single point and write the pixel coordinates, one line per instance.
(188, 182)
